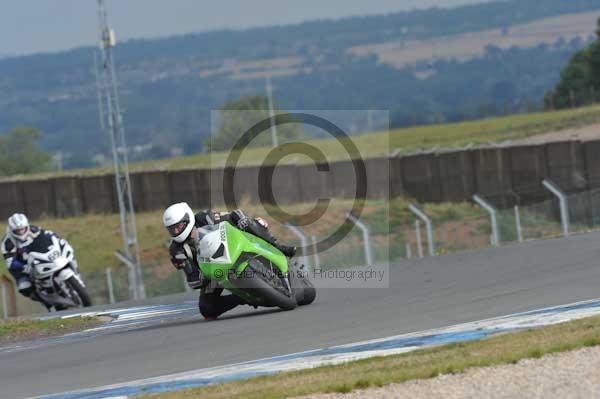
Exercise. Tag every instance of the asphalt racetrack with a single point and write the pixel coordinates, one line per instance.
(424, 294)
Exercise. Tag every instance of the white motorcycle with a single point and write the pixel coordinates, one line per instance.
(54, 273)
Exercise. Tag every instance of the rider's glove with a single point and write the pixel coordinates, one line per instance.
(179, 260)
(17, 266)
(241, 220)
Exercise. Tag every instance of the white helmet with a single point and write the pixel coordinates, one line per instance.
(179, 221)
(18, 229)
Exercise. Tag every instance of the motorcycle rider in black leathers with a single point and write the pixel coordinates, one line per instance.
(182, 224)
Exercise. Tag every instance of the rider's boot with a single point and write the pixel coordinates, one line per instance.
(260, 231)
(260, 228)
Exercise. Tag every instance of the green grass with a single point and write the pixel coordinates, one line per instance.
(382, 143)
(428, 363)
(25, 329)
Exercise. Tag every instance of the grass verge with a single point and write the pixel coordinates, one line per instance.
(29, 329)
(428, 363)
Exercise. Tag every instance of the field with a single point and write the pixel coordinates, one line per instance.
(469, 45)
(402, 141)
(400, 54)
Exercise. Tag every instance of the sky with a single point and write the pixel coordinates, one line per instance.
(30, 26)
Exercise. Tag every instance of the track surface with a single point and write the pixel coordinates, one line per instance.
(424, 294)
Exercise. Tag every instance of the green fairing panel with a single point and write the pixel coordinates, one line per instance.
(238, 242)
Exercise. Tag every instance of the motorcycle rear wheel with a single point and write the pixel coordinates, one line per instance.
(303, 288)
(262, 282)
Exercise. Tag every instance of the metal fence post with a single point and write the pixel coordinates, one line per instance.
(366, 238)
(564, 206)
(495, 240)
(9, 298)
(428, 224)
(518, 224)
(4, 302)
(418, 236)
(109, 284)
(131, 275)
(315, 253)
(303, 241)
(408, 251)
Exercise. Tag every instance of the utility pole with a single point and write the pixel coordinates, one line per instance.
(108, 93)
(271, 112)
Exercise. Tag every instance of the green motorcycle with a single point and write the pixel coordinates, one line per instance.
(251, 268)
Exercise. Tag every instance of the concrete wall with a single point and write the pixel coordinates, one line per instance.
(591, 150)
(457, 175)
(505, 175)
(565, 165)
(421, 177)
(528, 168)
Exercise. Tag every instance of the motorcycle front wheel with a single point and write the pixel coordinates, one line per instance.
(78, 292)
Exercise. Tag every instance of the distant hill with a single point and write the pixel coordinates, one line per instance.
(424, 66)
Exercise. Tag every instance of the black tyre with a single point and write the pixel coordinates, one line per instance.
(78, 292)
(304, 290)
(263, 283)
(310, 293)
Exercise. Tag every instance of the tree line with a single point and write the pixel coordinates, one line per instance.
(580, 80)
(20, 153)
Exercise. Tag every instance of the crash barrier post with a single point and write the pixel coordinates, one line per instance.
(109, 284)
(4, 303)
(495, 238)
(315, 252)
(418, 236)
(9, 298)
(408, 251)
(366, 238)
(518, 224)
(428, 224)
(564, 206)
(303, 241)
(136, 288)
